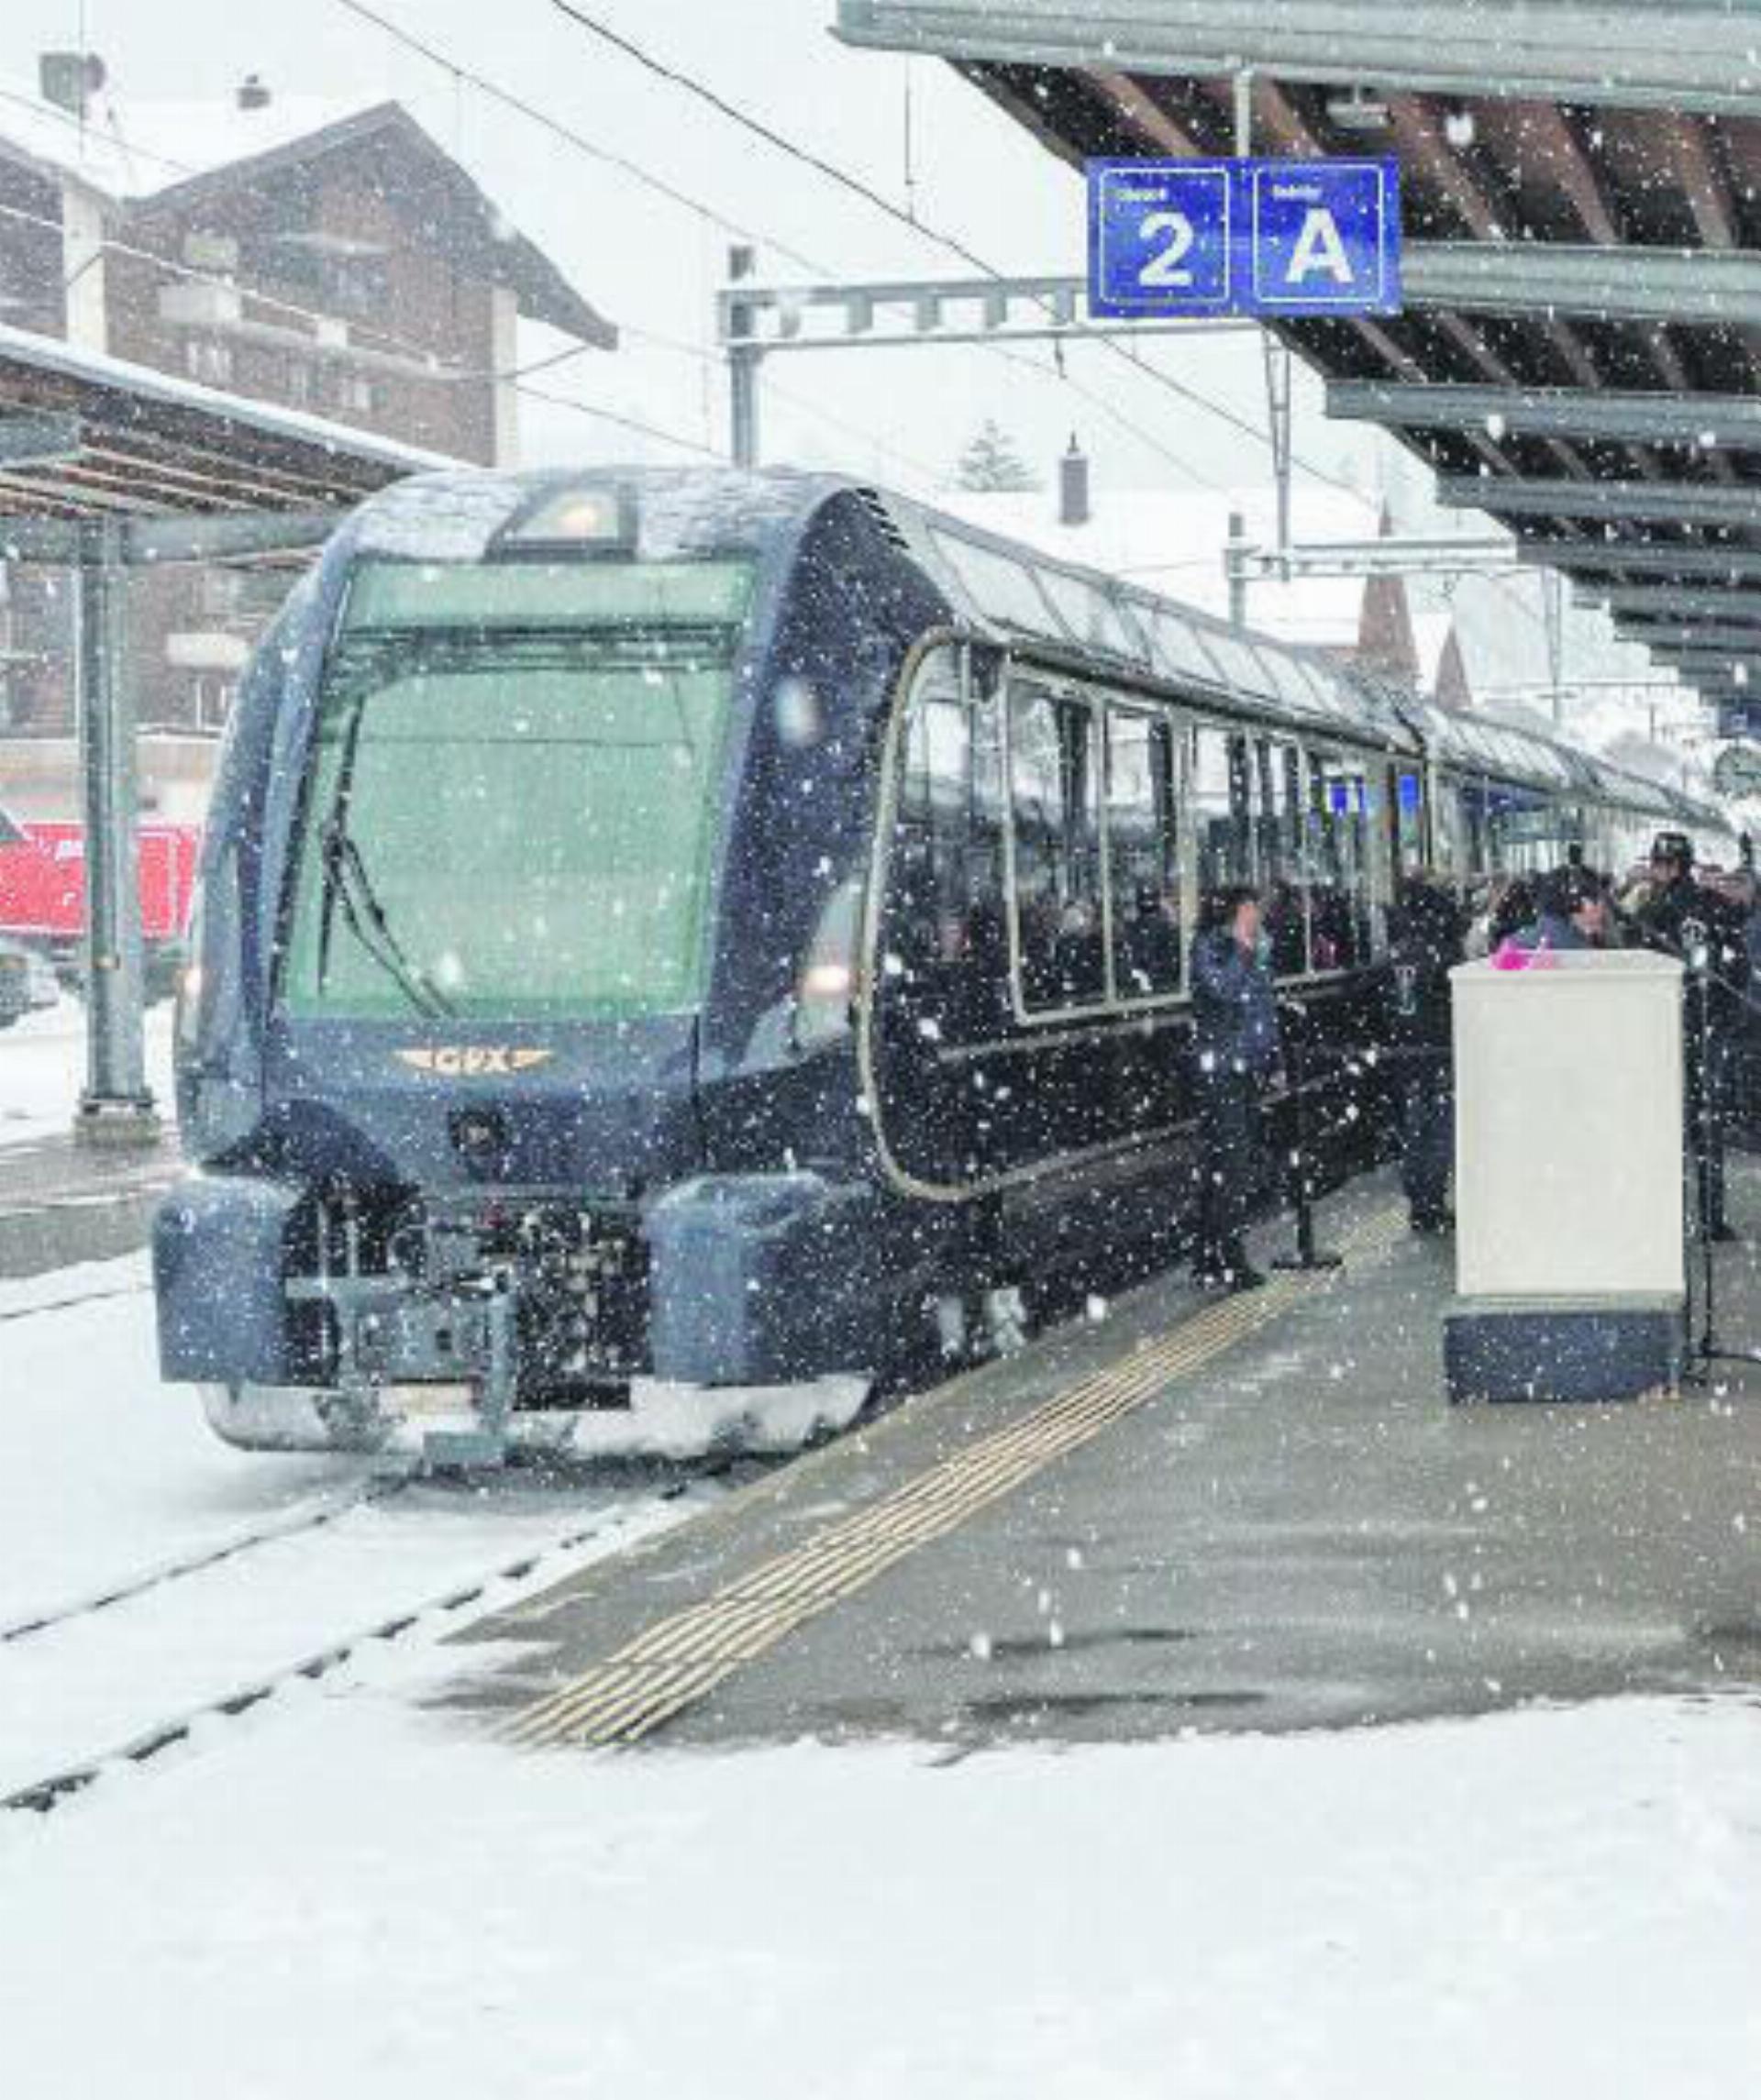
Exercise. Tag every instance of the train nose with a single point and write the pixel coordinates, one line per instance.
(483, 1141)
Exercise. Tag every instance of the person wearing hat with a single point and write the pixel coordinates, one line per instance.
(1682, 917)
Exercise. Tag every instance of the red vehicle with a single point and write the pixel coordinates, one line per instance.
(42, 894)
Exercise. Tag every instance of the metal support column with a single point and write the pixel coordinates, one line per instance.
(742, 366)
(1278, 417)
(1234, 568)
(117, 1106)
(1552, 608)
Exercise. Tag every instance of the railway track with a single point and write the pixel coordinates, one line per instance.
(429, 1615)
(166, 1573)
(73, 1301)
(68, 1779)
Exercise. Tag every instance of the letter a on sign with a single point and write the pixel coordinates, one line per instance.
(1318, 248)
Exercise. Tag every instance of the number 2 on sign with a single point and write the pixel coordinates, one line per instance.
(1164, 266)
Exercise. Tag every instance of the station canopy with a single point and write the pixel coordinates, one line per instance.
(167, 470)
(1582, 191)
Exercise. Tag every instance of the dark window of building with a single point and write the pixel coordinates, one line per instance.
(208, 359)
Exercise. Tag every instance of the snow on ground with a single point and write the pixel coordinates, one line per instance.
(103, 1469)
(43, 1069)
(107, 1475)
(346, 1898)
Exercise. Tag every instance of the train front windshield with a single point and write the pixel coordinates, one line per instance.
(508, 811)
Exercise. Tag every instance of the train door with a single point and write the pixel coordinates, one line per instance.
(1406, 821)
(1284, 870)
(1222, 815)
(1148, 886)
(1340, 900)
(1059, 911)
(942, 970)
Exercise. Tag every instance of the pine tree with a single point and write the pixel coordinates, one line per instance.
(991, 462)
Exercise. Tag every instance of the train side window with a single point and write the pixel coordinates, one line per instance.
(1339, 901)
(1055, 790)
(1142, 855)
(944, 947)
(1409, 821)
(1284, 871)
(1220, 807)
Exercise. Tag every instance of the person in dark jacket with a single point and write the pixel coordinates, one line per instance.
(1426, 931)
(1571, 913)
(1235, 1017)
(1682, 917)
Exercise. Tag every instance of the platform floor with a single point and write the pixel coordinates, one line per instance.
(1255, 1513)
(62, 1203)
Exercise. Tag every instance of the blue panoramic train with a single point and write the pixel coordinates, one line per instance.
(721, 928)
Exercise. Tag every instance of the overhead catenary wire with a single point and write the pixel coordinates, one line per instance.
(912, 219)
(440, 375)
(457, 70)
(508, 99)
(451, 374)
(517, 375)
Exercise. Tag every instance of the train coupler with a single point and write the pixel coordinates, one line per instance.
(484, 1446)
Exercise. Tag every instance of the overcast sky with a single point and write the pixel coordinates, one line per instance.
(899, 414)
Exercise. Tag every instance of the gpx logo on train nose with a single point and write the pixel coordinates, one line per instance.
(474, 1060)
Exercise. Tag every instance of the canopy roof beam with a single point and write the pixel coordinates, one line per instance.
(1704, 422)
(1671, 601)
(1634, 502)
(1691, 635)
(1718, 287)
(1692, 55)
(1708, 563)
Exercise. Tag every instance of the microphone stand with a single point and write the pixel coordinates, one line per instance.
(1707, 1350)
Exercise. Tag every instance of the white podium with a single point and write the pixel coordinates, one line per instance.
(1570, 1262)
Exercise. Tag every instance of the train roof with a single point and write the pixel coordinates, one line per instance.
(1015, 593)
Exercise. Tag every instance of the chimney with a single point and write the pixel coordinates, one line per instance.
(70, 79)
(1073, 507)
(253, 92)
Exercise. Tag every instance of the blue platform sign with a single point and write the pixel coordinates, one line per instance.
(1273, 239)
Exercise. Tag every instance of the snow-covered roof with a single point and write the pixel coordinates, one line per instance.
(151, 156)
(129, 405)
(1172, 540)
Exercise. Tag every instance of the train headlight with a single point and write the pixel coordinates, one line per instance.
(572, 521)
(827, 983)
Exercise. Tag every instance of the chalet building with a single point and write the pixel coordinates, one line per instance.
(339, 262)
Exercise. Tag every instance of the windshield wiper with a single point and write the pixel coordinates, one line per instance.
(348, 883)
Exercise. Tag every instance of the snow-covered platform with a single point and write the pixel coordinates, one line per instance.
(1184, 1514)
(61, 1203)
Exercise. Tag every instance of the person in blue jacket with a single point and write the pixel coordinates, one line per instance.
(1234, 1018)
(1571, 913)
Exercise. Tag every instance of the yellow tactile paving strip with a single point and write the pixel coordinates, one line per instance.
(674, 1664)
